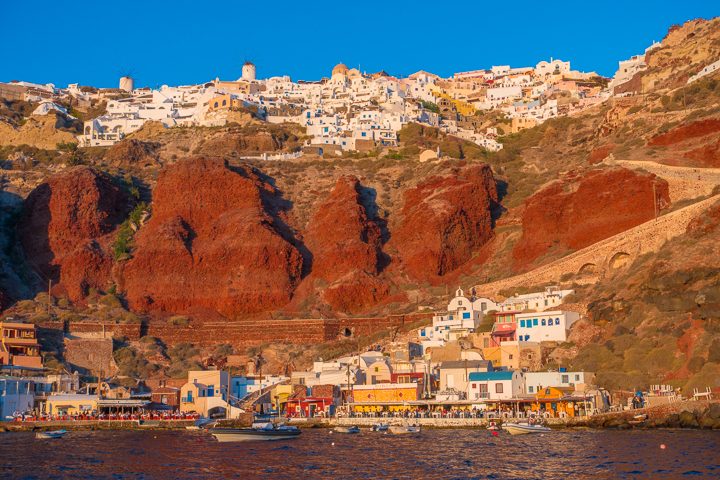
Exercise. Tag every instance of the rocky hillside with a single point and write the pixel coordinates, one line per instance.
(183, 224)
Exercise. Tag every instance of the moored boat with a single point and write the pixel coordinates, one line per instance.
(50, 434)
(350, 429)
(403, 429)
(255, 433)
(524, 428)
(380, 427)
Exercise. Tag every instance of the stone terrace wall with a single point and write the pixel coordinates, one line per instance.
(646, 237)
(255, 332)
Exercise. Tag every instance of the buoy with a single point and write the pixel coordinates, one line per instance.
(662, 446)
(333, 444)
(495, 434)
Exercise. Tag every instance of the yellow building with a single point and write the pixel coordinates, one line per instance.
(556, 401)
(71, 404)
(386, 393)
(224, 102)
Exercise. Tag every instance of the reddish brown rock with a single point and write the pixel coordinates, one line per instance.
(445, 220)
(681, 133)
(573, 214)
(598, 154)
(67, 226)
(707, 156)
(210, 245)
(346, 247)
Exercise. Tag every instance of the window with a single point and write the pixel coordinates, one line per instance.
(535, 322)
(527, 337)
(543, 322)
(522, 323)
(577, 378)
(498, 388)
(474, 385)
(565, 379)
(466, 315)
(530, 389)
(557, 321)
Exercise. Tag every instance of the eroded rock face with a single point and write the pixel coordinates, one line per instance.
(444, 221)
(346, 245)
(67, 226)
(681, 133)
(573, 214)
(210, 245)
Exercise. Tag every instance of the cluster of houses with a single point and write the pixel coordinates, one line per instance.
(349, 110)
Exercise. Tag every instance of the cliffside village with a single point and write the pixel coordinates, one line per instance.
(451, 368)
(351, 110)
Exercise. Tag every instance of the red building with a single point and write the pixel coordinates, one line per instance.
(169, 396)
(504, 328)
(310, 407)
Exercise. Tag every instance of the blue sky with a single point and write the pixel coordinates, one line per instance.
(181, 42)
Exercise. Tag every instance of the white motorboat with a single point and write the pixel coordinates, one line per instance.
(403, 429)
(50, 434)
(524, 428)
(380, 427)
(350, 429)
(255, 433)
(200, 424)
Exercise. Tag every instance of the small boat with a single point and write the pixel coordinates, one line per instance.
(524, 428)
(200, 424)
(50, 434)
(380, 427)
(638, 419)
(255, 433)
(148, 423)
(350, 429)
(403, 429)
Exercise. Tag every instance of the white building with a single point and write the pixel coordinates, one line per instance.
(536, 381)
(497, 385)
(551, 297)
(16, 396)
(462, 318)
(550, 326)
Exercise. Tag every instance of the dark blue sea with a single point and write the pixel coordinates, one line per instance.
(441, 454)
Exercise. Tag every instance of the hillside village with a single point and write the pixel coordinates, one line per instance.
(349, 111)
(213, 287)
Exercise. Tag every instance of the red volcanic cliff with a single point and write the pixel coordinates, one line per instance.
(573, 214)
(444, 221)
(210, 245)
(679, 134)
(346, 248)
(66, 228)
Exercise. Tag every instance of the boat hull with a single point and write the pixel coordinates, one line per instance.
(346, 430)
(395, 430)
(251, 435)
(50, 435)
(521, 429)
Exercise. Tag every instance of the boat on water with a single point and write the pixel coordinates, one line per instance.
(200, 424)
(148, 423)
(350, 429)
(50, 434)
(380, 427)
(638, 419)
(524, 428)
(403, 429)
(257, 432)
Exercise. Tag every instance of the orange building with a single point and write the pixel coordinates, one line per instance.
(19, 346)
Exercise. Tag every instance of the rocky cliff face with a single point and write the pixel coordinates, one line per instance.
(346, 245)
(574, 213)
(445, 219)
(66, 228)
(210, 245)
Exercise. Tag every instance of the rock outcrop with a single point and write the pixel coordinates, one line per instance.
(346, 245)
(211, 245)
(132, 153)
(575, 213)
(685, 132)
(445, 220)
(67, 226)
